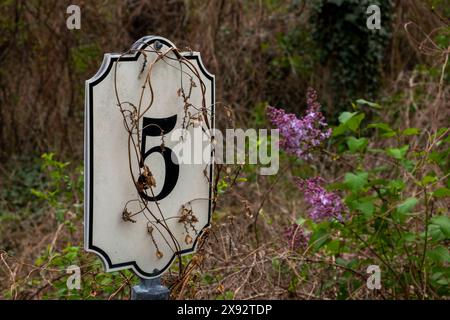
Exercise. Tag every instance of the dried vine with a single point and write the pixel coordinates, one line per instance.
(143, 179)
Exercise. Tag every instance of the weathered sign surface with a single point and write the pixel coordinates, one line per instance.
(142, 205)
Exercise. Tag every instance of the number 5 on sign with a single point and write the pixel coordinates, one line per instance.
(166, 219)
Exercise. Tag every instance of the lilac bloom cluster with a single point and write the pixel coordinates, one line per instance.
(296, 237)
(300, 136)
(324, 205)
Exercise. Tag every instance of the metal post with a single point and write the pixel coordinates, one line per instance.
(150, 289)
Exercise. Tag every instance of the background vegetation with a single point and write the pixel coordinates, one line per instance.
(385, 93)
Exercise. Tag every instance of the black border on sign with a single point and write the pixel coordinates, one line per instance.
(89, 157)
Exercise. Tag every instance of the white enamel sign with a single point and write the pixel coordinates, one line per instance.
(142, 206)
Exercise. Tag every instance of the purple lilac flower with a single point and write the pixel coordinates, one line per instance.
(324, 205)
(296, 237)
(300, 136)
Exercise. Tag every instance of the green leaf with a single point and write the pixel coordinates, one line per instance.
(441, 193)
(366, 207)
(398, 153)
(385, 128)
(354, 123)
(319, 238)
(411, 131)
(333, 246)
(409, 237)
(229, 295)
(351, 120)
(355, 145)
(443, 222)
(345, 116)
(342, 262)
(293, 284)
(356, 181)
(39, 194)
(435, 232)
(407, 205)
(370, 104)
(382, 126)
(276, 264)
(339, 130)
(105, 281)
(428, 179)
(408, 164)
(439, 255)
(396, 186)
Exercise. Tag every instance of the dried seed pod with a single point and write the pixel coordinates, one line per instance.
(140, 185)
(149, 177)
(188, 239)
(159, 254)
(126, 216)
(198, 259)
(146, 180)
(151, 181)
(248, 209)
(220, 288)
(150, 229)
(184, 214)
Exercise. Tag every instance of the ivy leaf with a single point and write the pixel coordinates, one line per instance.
(398, 153)
(355, 145)
(356, 181)
(407, 205)
(444, 223)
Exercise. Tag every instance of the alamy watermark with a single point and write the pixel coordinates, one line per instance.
(373, 22)
(74, 280)
(374, 280)
(236, 146)
(73, 21)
